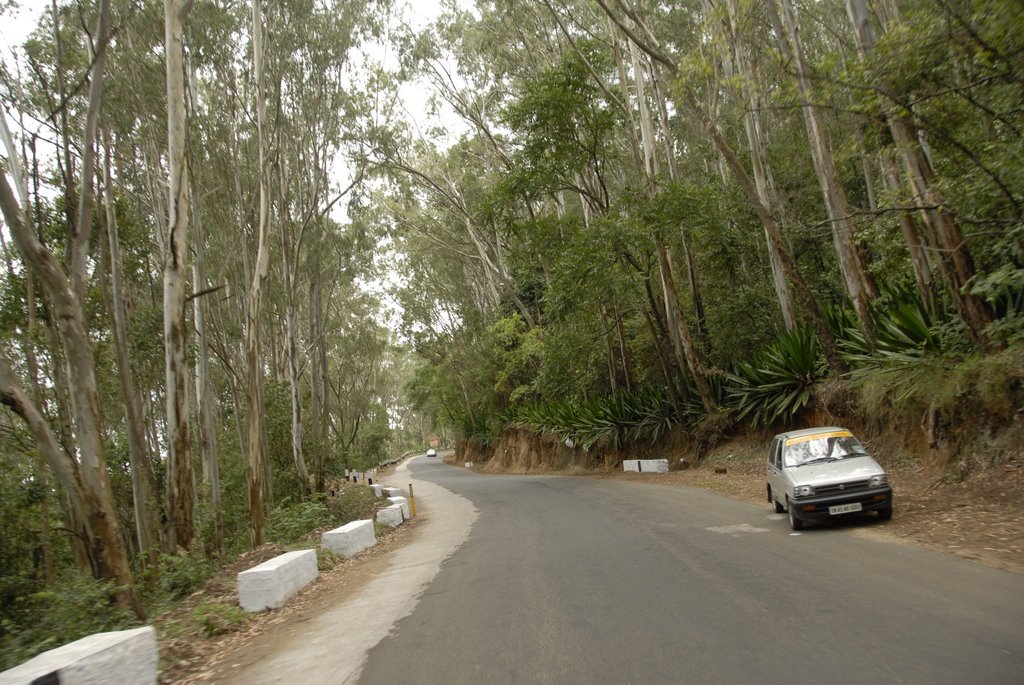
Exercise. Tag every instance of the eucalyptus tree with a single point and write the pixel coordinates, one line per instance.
(85, 479)
(641, 34)
(945, 236)
(143, 479)
(180, 479)
(253, 361)
(860, 287)
(309, 57)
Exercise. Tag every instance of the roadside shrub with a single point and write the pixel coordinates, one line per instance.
(290, 521)
(75, 607)
(326, 559)
(353, 503)
(214, 618)
(183, 573)
(480, 429)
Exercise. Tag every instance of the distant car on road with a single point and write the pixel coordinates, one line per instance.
(819, 473)
(431, 452)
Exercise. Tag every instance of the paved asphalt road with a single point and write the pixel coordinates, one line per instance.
(580, 580)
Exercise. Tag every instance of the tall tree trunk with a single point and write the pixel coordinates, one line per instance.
(954, 257)
(89, 490)
(860, 288)
(143, 479)
(319, 390)
(690, 101)
(679, 332)
(180, 479)
(623, 350)
(686, 351)
(609, 350)
(204, 396)
(291, 342)
(755, 142)
(67, 293)
(919, 261)
(254, 368)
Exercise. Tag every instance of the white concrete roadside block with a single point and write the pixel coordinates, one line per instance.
(391, 492)
(273, 582)
(469, 464)
(124, 656)
(377, 490)
(392, 516)
(645, 465)
(406, 510)
(351, 539)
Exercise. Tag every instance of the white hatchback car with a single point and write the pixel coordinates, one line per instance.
(431, 452)
(819, 473)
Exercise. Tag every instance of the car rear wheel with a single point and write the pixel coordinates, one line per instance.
(794, 522)
(775, 503)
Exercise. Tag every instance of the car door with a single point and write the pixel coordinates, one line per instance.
(775, 471)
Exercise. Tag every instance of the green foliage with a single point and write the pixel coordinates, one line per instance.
(353, 502)
(778, 382)
(214, 618)
(960, 390)
(291, 521)
(183, 573)
(288, 522)
(75, 607)
(326, 559)
(481, 428)
(1004, 290)
(903, 334)
(617, 419)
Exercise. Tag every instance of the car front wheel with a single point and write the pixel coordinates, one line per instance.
(794, 522)
(775, 503)
(885, 514)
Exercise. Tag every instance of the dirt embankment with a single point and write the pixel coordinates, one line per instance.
(965, 497)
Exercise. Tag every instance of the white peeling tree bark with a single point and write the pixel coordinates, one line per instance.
(253, 365)
(859, 287)
(755, 142)
(180, 479)
(807, 300)
(143, 480)
(289, 255)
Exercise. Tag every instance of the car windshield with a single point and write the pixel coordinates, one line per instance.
(821, 447)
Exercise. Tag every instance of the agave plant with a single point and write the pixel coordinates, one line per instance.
(618, 418)
(904, 334)
(779, 380)
(479, 429)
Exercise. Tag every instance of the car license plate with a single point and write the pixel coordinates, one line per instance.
(844, 508)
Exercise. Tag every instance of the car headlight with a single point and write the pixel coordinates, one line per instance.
(876, 481)
(803, 491)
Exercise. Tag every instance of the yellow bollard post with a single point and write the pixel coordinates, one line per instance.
(412, 501)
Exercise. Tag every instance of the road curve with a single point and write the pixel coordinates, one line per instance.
(548, 579)
(581, 580)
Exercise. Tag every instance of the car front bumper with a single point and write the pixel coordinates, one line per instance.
(818, 507)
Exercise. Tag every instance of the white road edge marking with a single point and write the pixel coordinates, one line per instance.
(327, 650)
(736, 528)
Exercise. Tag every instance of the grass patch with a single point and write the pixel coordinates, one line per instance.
(214, 618)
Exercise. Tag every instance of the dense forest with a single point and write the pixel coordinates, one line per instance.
(249, 245)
